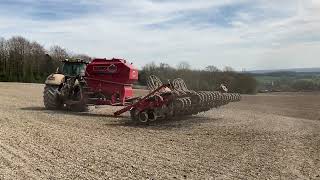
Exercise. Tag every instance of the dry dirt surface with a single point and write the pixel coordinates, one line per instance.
(273, 136)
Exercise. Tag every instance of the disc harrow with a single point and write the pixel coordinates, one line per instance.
(174, 99)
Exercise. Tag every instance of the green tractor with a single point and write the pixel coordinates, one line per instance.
(64, 87)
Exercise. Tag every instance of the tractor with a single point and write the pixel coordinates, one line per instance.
(79, 84)
(64, 87)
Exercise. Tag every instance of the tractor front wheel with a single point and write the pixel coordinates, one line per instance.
(51, 97)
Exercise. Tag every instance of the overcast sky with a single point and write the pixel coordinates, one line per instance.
(244, 34)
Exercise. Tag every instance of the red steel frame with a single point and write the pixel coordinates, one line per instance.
(144, 104)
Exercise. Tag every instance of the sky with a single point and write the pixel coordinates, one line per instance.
(243, 34)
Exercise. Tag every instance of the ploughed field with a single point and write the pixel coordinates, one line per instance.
(264, 136)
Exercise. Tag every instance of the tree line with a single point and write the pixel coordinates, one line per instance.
(25, 61)
(208, 79)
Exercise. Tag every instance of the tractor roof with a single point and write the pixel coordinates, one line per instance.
(77, 60)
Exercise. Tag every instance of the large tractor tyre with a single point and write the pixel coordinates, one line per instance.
(51, 98)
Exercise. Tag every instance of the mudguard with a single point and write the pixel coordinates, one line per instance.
(55, 79)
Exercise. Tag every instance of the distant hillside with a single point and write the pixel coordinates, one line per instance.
(298, 70)
(288, 80)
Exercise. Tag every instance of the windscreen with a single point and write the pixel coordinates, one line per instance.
(72, 69)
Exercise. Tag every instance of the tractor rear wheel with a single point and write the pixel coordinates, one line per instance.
(51, 97)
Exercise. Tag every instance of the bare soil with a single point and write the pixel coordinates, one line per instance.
(265, 136)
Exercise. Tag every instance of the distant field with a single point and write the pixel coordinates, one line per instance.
(269, 79)
(288, 81)
(300, 105)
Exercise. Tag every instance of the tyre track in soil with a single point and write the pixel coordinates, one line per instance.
(36, 153)
(42, 152)
(13, 163)
(223, 144)
(286, 138)
(148, 155)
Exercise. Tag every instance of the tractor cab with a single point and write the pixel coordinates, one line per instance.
(73, 67)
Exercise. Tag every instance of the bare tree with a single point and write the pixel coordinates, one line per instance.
(164, 66)
(212, 68)
(228, 69)
(200, 80)
(58, 53)
(19, 53)
(22, 60)
(184, 65)
(2, 56)
(38, 59)
(150, 66)
(82, 57)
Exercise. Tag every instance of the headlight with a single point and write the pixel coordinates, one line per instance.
(51, 78)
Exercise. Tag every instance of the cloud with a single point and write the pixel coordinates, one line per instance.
(240, 33)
